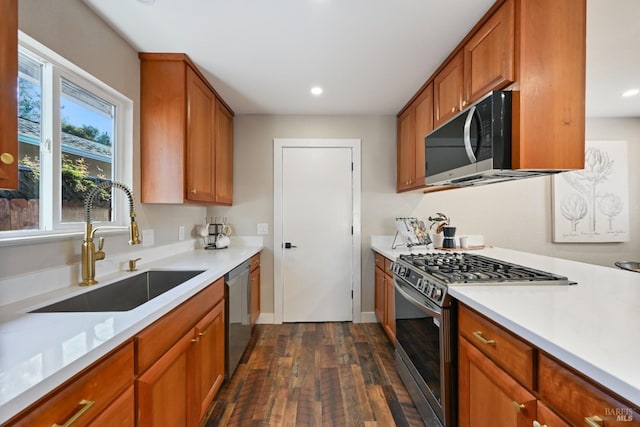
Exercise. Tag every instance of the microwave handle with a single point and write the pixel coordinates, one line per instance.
(467, 134)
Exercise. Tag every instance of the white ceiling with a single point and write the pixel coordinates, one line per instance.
(370, 56)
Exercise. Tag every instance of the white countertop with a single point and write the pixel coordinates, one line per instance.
(593, 326)
(40, 351)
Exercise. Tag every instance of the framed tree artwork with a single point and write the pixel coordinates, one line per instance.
(592, 205)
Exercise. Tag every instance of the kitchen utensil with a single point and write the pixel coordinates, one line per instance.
(629, 265)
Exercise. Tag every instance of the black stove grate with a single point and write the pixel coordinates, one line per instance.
(455, 267)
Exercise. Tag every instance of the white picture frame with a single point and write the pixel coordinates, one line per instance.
(592, 205)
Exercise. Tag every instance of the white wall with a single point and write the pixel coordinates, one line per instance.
(517, 214)
(253, 181)
(72, 30)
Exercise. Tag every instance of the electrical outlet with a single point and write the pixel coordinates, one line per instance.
(263, 229)
(181, 232)
(147, 237)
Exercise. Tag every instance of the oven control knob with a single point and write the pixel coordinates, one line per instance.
(437, 294)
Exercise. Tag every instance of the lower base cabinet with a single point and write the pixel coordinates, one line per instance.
(177, 388)
(385, 295)
(100, 396)
(504, 381)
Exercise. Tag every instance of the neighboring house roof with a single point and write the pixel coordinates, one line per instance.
(29, 132)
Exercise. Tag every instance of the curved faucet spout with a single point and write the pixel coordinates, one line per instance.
(89, 253)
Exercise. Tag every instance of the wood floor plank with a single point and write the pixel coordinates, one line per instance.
(315, 374)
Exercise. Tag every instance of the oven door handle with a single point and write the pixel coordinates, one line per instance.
(422, 305)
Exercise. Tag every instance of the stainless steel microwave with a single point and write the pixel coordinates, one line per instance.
(474, 147)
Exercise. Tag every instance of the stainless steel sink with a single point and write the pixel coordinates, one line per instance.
(123, 295)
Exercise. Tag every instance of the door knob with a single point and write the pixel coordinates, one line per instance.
(288, 245)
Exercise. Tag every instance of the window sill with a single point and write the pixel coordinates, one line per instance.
(36, 237)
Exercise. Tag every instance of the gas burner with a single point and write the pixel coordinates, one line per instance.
(431, 273)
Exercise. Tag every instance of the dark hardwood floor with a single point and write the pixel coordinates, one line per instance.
(315, 374)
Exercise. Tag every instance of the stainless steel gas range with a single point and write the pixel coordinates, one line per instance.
(426, 327)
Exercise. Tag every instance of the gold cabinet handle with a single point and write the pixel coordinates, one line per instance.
(517, 406)
(453, 109)
(194, 191)
(195, 340)
(537, 424)
(201, 334)
(464, 103)
(594, 421)
(483, 340)
(85, 406)
(7, 158)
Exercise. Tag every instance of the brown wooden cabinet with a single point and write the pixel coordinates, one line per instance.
(254, 292)
(488, 396)
(224, 154)
(186, 134)
(505, 381)
(489, 56)
(578, 399)
(537, 49)
(180, 361)
(413, 125)
(101, 395)
(448, 89)
(385, 295)
(8, 97)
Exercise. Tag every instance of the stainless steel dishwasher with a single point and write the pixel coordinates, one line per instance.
(237, 314)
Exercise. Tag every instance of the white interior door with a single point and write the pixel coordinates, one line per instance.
(317, 219)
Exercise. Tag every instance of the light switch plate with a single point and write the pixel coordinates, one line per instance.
(147, 237)
(263, 228)
(181, 232)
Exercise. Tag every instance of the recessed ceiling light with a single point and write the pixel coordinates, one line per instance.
(316, 90)
(630, 92)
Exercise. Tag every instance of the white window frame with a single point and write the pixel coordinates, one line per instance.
(57, 67)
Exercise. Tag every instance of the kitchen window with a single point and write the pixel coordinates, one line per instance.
(74, 132)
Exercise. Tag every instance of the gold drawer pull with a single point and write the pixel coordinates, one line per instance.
(85, 406)
(195, 340)
(201, 334)
(537, 424)
(453, 109)
(483, 340)
(517, 406)
(194, 191)
(594, 421)
(7, 158)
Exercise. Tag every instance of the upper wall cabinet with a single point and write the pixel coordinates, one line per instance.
(489, 55)
(186, 141)
(413, 125)
(537, 48)
(8, 95)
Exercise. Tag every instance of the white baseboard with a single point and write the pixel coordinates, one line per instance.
(365, 317)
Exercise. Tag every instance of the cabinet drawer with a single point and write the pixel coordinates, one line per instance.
(255, 261)
(101, 384)
(577, 398)
(156, 339)
(510, 353)
(120, 413)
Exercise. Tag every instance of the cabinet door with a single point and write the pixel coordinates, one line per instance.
(447, 90)
(406, 149)
(165, 390)
(379, 295)
(424, 125)
(209, 357)
(201, 108)
(255, 295)
(224, 155)
(489, 55)
(488, 396)
(390, 308)
(8, 97)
